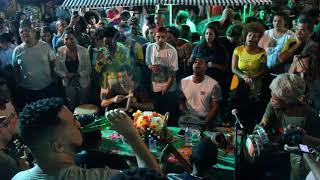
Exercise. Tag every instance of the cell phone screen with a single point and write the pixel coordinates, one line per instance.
(304, 148)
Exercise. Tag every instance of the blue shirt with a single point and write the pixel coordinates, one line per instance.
(6, 55)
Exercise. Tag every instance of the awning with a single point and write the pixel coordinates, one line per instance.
(218, 2)
(73, 4)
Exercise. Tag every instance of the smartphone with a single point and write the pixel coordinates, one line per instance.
(181, 132)
(304, 148)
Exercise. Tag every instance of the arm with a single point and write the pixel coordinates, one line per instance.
(313, 164)
(182, 102)
(169, 83)
(265, 122)
(285, 55)
(52, 59)
(86, 69)
(262, 69)
(234, 67)
(16, 66)
(293, 67)
(59, 68)
(122, 123)
(106, 100)
(212, 114)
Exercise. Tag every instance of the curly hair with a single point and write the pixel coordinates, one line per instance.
(254, 27)
(38, 119)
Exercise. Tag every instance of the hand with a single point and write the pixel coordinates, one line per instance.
(272, 43)
(122, 123)
(118, 98)
(164, 91)
(292, 149)
(23, 163)
(155, 68)
(248, 80)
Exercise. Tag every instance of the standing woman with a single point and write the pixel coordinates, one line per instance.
(214, 54)
(249, 65)
(273, 42)
(73, 66)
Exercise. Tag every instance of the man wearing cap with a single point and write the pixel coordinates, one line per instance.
(199, 96)
(162, 59)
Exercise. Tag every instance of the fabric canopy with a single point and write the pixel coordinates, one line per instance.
(73, 4)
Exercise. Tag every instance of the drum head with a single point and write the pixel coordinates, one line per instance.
(86, 109)
(250, 149)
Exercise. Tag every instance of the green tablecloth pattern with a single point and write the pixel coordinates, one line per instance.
(114, 143)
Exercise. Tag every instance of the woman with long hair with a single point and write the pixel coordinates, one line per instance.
(214, 54)
(249, 64)
(73, 66)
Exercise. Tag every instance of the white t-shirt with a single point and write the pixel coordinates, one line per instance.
(34, 63)
(34, 173)
(167, 58)
(199, 96)
(70, 173)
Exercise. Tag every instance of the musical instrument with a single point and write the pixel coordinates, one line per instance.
(17, 150)
(257, 146)
(86, 113)
(170, 148)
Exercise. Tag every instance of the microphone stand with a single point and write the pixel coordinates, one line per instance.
(237, 124)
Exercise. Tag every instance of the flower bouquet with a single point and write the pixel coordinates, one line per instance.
(152, 123)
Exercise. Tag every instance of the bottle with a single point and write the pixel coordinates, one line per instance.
(188, 137)
(152, 144)
(98, 124)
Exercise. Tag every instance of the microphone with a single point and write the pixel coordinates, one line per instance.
(234, 112)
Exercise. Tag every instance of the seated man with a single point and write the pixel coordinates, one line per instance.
(285, 108)
(125, 92)
(204, 155)
(200, 96)
(53, 135)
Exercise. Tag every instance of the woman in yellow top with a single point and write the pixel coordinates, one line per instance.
(249, 65)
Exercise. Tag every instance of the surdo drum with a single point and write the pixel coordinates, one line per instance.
(86, 113)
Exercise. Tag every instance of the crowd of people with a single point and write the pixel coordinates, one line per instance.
(122, 63)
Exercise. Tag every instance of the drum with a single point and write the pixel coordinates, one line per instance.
(257, 145)
(86, 113)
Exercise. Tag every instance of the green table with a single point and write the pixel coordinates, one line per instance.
(112, 142)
